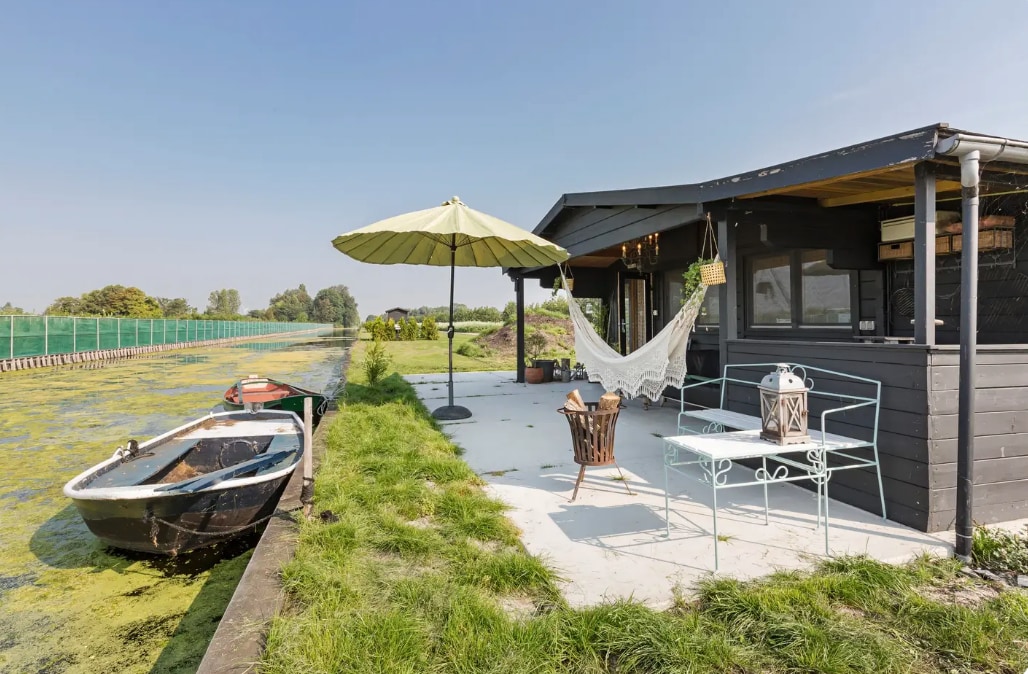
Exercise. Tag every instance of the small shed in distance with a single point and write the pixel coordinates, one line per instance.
(396, 313)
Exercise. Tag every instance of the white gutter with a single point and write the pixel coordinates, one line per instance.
(972, 151)
(989, 149)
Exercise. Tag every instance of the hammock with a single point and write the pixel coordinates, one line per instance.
(648, 370)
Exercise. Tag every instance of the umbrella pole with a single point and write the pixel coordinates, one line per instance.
(451, 412)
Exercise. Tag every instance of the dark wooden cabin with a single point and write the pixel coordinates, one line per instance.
(810, 280)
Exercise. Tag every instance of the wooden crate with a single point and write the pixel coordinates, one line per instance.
(943, 245)
(900, 250)
(989, 239)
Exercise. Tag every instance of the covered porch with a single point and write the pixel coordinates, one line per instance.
(875, 259)
(611, 545)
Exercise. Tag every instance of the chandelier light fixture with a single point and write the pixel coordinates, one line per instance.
(642, 252)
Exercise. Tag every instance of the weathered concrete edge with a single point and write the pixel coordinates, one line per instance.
(238, 642)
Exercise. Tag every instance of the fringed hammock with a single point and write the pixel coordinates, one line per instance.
(647, 371)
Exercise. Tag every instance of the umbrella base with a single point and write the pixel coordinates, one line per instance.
(451, 413)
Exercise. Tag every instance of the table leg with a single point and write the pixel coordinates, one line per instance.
(713, 488)
(667, 506)
(764, 461)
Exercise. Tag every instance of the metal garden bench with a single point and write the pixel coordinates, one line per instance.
(714, 450)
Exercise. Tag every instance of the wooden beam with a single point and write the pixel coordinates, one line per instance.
(728, 324)
(828, 181)
(885, 195)
(924, 254)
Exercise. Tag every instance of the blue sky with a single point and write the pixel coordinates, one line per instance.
(188, 146)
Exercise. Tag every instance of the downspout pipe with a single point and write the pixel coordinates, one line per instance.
(972, 150)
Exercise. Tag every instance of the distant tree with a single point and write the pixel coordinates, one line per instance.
(335, 305)
(259, 314)
(177, 307)
(488, 314)
(112, 300)
(293, 305)
(510, 313)
(224, 302)
(65, 306)
(428, 329)
(11, 310)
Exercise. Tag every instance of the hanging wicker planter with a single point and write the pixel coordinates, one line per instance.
(712, 273)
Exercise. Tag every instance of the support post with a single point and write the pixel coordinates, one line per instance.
(519, 296)
(46, 335)
(728, 320)
(968, 355)
(307, 490)
(924, 254)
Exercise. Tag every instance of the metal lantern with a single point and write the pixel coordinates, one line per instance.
(783, 407)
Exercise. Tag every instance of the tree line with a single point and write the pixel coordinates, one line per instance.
(295, 305)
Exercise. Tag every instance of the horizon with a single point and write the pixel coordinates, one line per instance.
(185, 149)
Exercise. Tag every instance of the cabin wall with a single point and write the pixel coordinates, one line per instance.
(1001, 434)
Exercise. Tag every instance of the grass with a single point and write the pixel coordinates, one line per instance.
(430, 356)
(422, 572)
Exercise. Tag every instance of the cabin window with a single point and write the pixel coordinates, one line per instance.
(826, 292)
(771, 285)
(798, 289)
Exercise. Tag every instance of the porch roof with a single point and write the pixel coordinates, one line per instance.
(880, 170)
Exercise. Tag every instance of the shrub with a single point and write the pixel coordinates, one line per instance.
(409, 330)
(999, 550)
(428, 329)
(535, 344)
(377, 328)
(376, 362)
(471, 350)
(390, 331)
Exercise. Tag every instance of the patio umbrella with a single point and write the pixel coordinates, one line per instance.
(455, 235)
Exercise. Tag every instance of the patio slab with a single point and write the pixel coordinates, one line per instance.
(609, 544)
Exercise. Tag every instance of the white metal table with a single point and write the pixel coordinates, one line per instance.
(715, 454)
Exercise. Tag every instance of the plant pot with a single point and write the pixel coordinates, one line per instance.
(533, 375)
(547, 368)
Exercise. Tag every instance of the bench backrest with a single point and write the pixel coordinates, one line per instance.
(849, 403)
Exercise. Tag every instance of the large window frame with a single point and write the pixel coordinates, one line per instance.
(796, 307)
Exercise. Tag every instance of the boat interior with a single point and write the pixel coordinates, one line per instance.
(259, 392)
(212, 452)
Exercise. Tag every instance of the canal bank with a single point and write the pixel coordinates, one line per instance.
(69, 604)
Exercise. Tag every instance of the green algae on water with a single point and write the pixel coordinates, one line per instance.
(71, 605)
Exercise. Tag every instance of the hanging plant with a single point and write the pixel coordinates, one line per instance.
(693, 277)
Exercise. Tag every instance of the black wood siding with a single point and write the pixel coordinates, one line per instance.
(1001, 434)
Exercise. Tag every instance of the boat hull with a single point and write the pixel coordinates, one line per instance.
(208, 481)
(178, 523)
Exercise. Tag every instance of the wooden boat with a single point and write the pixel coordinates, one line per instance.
(270, 394)
(210, 480)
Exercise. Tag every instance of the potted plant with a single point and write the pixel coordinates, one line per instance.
(535, 343)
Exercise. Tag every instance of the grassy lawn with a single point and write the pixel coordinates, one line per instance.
(411, 569)
(428, 356)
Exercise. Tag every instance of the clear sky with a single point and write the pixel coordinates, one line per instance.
(187, 146)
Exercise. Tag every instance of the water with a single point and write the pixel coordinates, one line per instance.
(67, 603)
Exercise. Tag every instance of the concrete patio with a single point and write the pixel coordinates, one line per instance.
(609, 544)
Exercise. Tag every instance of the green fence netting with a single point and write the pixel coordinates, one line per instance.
(25, 336)
(6, 343)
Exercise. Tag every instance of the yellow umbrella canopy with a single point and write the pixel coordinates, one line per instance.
(451, 234)
(455, 235)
